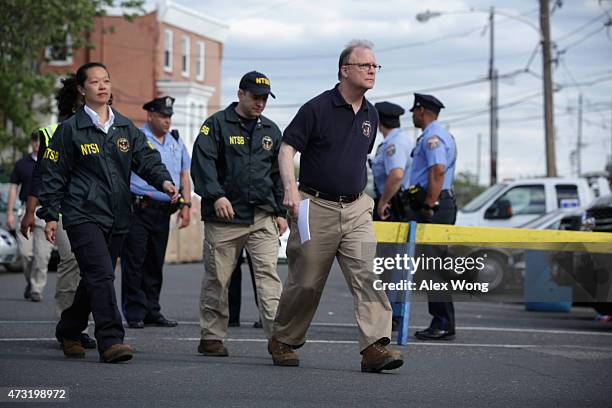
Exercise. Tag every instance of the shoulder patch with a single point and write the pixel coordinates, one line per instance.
(433, 142)
(390, 151)
(204, 130)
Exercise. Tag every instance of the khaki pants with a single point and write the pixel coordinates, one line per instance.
(35, 254)
(344, 232)
(222, 243)
(68, 274)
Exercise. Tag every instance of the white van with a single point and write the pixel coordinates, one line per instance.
(514, 203)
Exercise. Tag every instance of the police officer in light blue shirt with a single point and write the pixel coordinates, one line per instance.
(142, 257)
(391, 164)
(433, 170)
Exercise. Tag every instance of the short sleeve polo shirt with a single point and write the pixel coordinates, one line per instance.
(334, 143)
(22, 175)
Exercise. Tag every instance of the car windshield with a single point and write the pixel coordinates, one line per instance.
(483, 198)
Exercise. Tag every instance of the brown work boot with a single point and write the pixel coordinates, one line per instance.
(212, 348)
(117, 353)
(283, 354)
(377, 358)
(72, 348)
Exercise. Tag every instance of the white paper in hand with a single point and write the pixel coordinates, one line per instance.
(303, 223)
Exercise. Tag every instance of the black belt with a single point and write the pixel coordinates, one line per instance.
(330, 197)
(446, 194)
(147, 202)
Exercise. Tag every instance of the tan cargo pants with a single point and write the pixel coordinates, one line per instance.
(344, 232)
(222, 243)
(68, 274)
(35, 254)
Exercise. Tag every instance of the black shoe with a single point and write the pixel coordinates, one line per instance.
(233, 323)
(161, 321)
(136, 324)
(258, 324)
(27, 293)
(87, 342)
(435, 334)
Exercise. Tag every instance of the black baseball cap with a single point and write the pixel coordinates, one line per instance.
(161, 105)
(256, 83)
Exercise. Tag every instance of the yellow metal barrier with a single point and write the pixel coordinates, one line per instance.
(494, 237)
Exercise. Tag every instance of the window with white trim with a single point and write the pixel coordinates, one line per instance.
(60, 54)
(200, 61)
(168, 39)
(185, 56)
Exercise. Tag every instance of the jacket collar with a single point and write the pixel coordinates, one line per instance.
(84, 121)
(232, 116)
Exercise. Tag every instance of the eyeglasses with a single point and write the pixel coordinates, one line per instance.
(365, 66)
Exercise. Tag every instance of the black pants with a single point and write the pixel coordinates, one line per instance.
(440, 303)
(235, 288)
(142, 261)
(96, 253)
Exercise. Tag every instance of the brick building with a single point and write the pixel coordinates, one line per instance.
(172, 50)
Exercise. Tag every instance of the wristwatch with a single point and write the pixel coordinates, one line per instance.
(183, 204)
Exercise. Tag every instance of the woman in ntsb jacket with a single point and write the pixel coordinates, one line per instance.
(86, 176)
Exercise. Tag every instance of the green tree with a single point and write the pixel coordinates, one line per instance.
(466, 187)
(27, 27)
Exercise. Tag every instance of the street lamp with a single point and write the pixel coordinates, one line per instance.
(543, 35)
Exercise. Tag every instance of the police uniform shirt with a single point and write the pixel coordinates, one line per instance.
(435, 146)
(378, 169)
(334, 143)
(396, 155)
(173, 154)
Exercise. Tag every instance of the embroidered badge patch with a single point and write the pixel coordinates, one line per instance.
(390, 150)
(366, 128)
(267, 142)
(433, 142)
(123, 144)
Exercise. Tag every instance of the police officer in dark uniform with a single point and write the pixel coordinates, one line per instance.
(433, 170)
(144, 249)
(391, 164)
(86, 175)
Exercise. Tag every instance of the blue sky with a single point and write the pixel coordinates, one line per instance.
(297, 42)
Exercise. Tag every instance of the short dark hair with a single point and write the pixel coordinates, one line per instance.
(81, 74)
(348, 50)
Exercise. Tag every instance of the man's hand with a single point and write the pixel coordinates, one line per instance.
(183, 217)
(224, 209)
(383, 210)
(282, 225)
(27, 224)
(10, 221)
(292, 200)
(50, 231)
(171, 190)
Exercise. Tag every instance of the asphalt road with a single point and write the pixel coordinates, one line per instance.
(502, 356)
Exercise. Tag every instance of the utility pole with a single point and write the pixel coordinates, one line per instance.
(493, 101)
(478, 153)
(579, 143)
(551, 165)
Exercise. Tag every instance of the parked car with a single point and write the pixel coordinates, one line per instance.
(9, 253)
(514, 203)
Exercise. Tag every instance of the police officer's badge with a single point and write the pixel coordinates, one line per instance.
(390, 150)
(123, 144)
(168, 102)
(433, 142)
(366, 128)
(267, 142)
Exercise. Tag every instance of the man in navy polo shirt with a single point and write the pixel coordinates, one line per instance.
(334, 132)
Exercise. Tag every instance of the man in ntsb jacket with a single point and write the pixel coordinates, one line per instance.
(235, 170)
